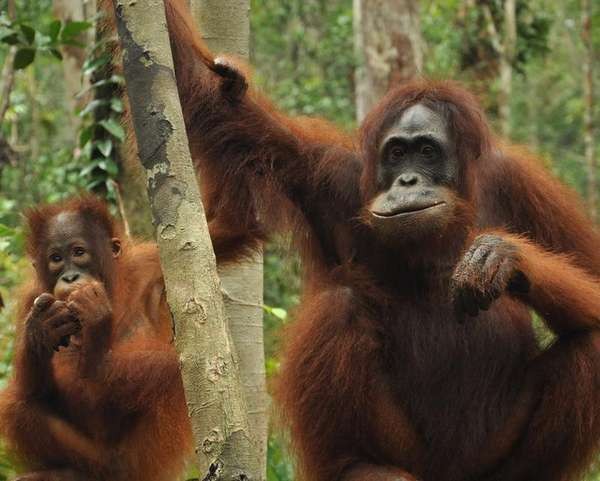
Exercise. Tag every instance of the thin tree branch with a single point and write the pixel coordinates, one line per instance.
(8, 80)
(492, 31)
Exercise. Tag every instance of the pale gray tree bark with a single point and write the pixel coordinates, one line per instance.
(388, 44)
(588, 93)
(209, 367)
(225, 26)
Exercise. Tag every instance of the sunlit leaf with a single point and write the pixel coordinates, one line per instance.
(54, 30)
(116, 104)
(91, 106)
(105, 147)
(114, 128)
(91, 65)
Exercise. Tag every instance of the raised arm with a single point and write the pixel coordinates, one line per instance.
(254, 160)
(521, 196)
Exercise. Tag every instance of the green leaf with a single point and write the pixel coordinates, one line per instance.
(72, 29)
(105, 147)
(73, 43)
(93, 64)
(279, 313)
(28, 32)
(114, 79)
(11, 39)
(113, 128)
(116, 104)
(54, 30)
(94, 183)
(112, 168)
(91, 106)
(6, 231)
(24, 57)
(56, 53)
(88, 169)
(86, 135)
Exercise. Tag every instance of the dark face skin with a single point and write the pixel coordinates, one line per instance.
(72, 254)
(416, 176)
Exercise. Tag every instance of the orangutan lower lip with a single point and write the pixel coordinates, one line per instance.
(408, 211)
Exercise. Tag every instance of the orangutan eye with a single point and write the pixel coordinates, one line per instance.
(397, 153)
(428, 150)
(78, 251)
(56, 258)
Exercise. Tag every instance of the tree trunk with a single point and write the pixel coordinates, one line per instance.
(209, 369)
(131, 183)
(8, 69)
(387, 38)
(506, 60)
(588, 93)
(505, 45)
(73, 57)
(225, 26)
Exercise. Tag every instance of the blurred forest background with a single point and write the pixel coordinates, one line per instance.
(60, 107)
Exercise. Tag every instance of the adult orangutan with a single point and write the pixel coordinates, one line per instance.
(96, 393)
(412, 355)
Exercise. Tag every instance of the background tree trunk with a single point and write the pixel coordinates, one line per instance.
(506, 61)
(225, 26)
(387, 38)
(7, 81)
(588, 93)
(505, 45)
(73, 57)
(214, 395)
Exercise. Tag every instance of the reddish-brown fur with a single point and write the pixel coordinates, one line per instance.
(128, 419)
(380, 381)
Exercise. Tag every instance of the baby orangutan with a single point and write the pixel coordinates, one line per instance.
(96, 394)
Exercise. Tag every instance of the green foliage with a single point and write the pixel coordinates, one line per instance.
(12, 265)
(28, 41)
(51, 177)
(6, 466)
(279, 466)
(282, 287)
(101, 132)
(304, 54)
(477, 51)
